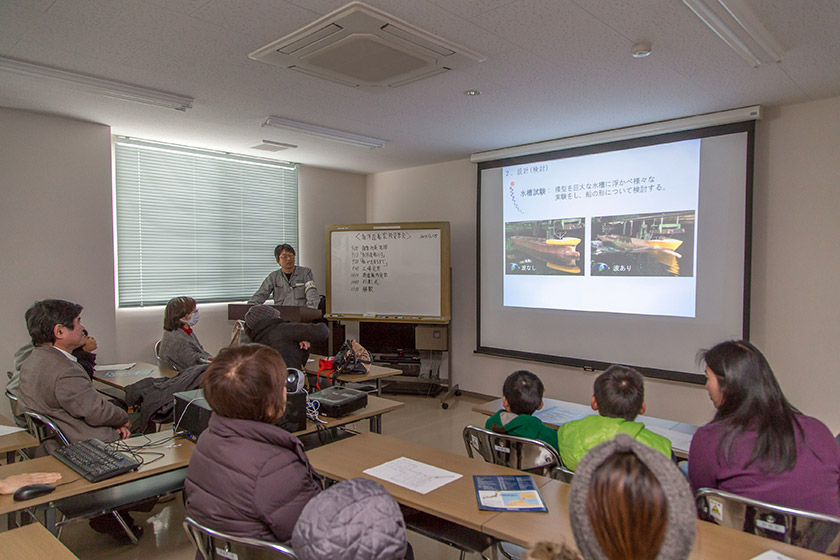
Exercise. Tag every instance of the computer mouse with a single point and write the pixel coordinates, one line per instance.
(32, 491)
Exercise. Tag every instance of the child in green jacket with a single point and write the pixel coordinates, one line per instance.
(522, 395)
(619, 396)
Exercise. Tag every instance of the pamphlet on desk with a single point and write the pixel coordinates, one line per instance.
(508, 493)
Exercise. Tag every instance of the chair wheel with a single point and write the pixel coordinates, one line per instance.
(444, 406)
(457, 393)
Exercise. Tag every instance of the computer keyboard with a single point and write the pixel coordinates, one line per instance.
(94, 460)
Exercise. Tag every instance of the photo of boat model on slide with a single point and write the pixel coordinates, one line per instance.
(660, 244)
(545, 247)
(657, 244)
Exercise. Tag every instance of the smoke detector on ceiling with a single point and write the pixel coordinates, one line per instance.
(363, 47)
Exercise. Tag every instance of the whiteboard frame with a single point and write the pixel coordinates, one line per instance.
(445, 280)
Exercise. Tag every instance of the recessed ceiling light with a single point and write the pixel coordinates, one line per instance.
(472, 92)
(641, 50)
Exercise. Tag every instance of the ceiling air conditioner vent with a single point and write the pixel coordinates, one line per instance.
(363, 47)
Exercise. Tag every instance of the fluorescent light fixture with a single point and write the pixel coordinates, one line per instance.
(201, 152)
(649, 129)
(108, 88)
(740, 28)
(322, 132)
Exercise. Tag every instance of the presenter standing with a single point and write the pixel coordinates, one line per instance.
(291, 285)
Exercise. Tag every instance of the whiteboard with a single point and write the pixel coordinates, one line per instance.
(388, 272)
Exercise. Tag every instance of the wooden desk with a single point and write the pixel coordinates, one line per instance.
(376, 373)
(712, 541)
(32, 541)
(374, 410)
(454, 502)
(555, 413)
(176, 455)
(124, 378)
(11, 443)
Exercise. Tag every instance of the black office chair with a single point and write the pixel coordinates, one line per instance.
(215, 545)
(814, 531)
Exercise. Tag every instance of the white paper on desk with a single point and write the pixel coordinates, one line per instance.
(411, 474)
(6, 430)
(771, 555)
(115, 367)
(558, 415)
(679, 440)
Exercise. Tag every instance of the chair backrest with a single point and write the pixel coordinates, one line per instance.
(536, 457)
(213, 545)
(814, 531)
(43, 428)
(161, 361)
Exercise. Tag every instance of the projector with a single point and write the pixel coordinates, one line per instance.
(338, 401)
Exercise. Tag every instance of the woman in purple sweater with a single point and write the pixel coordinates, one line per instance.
(758, 445)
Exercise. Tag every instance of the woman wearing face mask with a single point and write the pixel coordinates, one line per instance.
(179, 345)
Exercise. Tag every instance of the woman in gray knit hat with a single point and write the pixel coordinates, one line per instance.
(630, 502)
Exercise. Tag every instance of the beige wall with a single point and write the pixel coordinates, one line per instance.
(795, 261)
(57, 241)
(794, 292)
(55, 223)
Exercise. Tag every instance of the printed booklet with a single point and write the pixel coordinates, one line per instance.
(508, 493)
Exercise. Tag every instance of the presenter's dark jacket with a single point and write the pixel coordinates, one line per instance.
(249, 479)
(286, 337)
(53, 384)
(522, 425)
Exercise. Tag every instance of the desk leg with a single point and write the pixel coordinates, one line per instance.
(49, 520)
(11, 518)
(376, 424)
(378, 386)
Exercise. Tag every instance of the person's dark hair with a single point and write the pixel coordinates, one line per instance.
(177, 309)
(247, 382)
(619, 392)
(44, 315)
(627, 508)
(283, 247)
(752, 401)
(523, 391)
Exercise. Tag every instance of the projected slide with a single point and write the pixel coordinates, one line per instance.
(608, 232)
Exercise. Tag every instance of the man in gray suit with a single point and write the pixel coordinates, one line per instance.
(53, 383)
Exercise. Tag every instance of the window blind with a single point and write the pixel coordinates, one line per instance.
(198, 223)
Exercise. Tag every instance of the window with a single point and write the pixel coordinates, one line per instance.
(198, 223)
